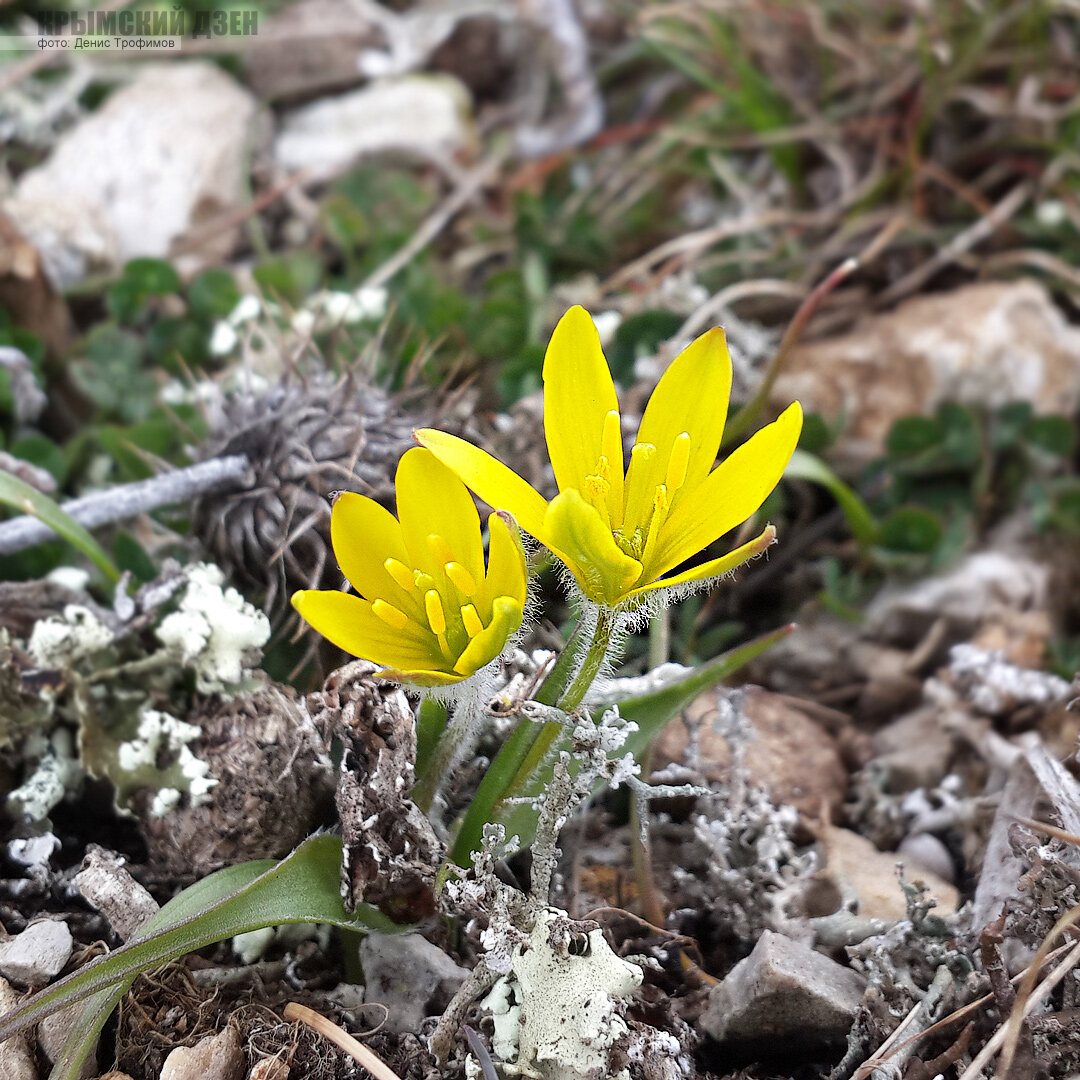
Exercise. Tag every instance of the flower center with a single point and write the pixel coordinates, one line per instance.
(643, 519)
(447, 607)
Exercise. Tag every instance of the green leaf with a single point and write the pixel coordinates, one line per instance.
(910, 529)
(15, 492)
(804, 466)
(649, 711)
(212, 295)
(292, 277)
(1052, 434)
(302, 888)
(913, 435)
(639, 335)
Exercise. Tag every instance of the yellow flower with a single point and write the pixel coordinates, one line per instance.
(428, 611)
(617, 532)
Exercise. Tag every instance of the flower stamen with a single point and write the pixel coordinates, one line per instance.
(400, 573)
(390, 615)
(677, 463)
(471, 621)
(436, 617)
(461, 578)
(438, 547)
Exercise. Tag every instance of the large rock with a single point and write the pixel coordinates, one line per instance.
(164, 155)
(784, 990)
(424, 115)
(38, 954)
(217, 1057)
(982, 345)
(788, 753)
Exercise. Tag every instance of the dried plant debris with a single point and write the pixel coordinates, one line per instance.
(391, 851)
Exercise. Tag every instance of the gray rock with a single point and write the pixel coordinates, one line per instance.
(217, 1057)
(410, 976)
(38, 954)
(52, 1034)
(784, 990)
(16, 1056)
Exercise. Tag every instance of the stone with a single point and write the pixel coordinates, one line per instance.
(107, 886)
(424, 115)
(859, 870)
(118, 186)
(269, 1068)
(16, 1054)
(914, 751)
(788, 753)
(53, 1031)
(308, 48)
(982, 345)
(976, 590)
(784, 990)
(38, 954)
(410, 976)
(217, 1057)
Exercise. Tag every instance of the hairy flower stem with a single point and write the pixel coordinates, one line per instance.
(457, 738)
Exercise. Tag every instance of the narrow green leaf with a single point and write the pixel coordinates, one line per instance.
(304, 887)
(804, 466)
(19, 494)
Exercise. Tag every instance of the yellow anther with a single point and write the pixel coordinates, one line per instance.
(676, 466)
(438, 547)
(435, 615)
(661, 504)
(603, 467)
(642, 451)
(596, 491)
(611, 440)
(461, 578)
(424, 582)
(399, 572)
(471, 621)
(390, 614)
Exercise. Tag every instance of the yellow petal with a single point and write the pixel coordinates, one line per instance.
(729, 494)
(349, 623)
(578, 535)
(507, 573)
(365, 535)
(578, 395)
(433, 502)
(692, 397)
(489, 642)
(499, 486)
(715, 567)
(420, 677)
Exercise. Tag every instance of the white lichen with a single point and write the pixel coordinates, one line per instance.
(59, 641)
(164, 737)
(213, 630)
(559, 1011)
(57, 774)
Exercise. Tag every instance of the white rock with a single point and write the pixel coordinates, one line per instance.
(420, 114)
(162, 155)
(982, 345)
(38, 954)
(217, 1057)
(106, 884)
(784, 990)
(410, 976)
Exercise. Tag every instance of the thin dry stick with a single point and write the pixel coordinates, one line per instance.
(129, 500)
(886, 1051)
(1022, 1009)
(960, 244)
(341, 1039)
(436, 221)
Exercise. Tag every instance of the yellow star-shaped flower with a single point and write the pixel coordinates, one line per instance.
(620, 530)
(428, 610)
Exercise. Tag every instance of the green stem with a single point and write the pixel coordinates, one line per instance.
(527, 746)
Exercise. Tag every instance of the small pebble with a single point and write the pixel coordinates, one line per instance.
(38, 954)
(217, 1057)
(269, 1068)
